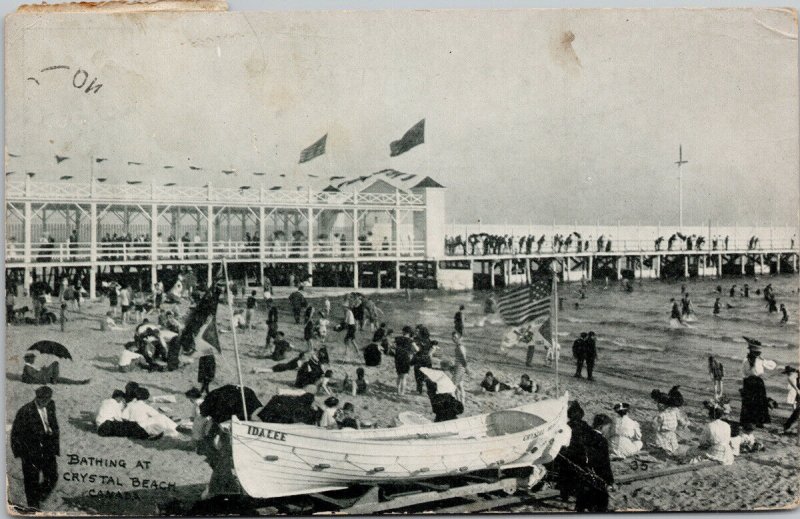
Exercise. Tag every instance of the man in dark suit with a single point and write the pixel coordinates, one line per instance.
(35, 440)
(584, 467)
(590, 351)
(32, 375)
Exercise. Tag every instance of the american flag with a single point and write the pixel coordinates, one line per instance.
(315, 150)
(526, 303)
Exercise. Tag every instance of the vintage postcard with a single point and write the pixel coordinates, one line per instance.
(447, 261)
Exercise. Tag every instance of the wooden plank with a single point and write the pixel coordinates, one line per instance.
(428, 497)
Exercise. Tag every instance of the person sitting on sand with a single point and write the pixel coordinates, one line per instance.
(282, 347)
(324, 381)
(715, 443)
(155, 423)
(625, 435)
(347, 418)
(310, 371)
(359, 385)
(292, 408)
(328, 418)
(526, 385)
(110, 422)
(109, 323)
(130, 358)
(201, 425)
(668, 419)
(372, 355)
(31, 375)
(285, 366)
(492, 385)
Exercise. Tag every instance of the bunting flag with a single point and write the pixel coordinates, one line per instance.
(168, 167)
(65, 177)
(315, 150)
(134, 182)
(99, 160)
(9, 173)
(168, 184)
(259, 174)
(131, 163)
(14, 156)
(228, 171)
(336, 177)
(195, 168)
(413, 137)
(60, 159)
(101, 179)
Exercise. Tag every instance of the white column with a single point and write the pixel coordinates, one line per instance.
(154, 252)
(591, 267)
(719, 265)
(744, 262)
(397, 275)
(355, 232)
(686, 266)
(28, 239)
(262, 240)
(355, 274)
(619, 267)
(210, 227)
(92, 250)
(491, 273)
(641, 265)
(527, 270)
(778, 263)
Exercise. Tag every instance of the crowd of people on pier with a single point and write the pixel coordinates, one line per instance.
(483, 244)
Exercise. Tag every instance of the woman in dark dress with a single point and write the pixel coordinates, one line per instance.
(403, 357)
(444, 405)
(755, 404)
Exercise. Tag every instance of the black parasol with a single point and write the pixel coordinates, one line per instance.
(51, 348)
(226, 401)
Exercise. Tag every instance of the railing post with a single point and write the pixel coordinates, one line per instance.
(154, 244)
(26, 246)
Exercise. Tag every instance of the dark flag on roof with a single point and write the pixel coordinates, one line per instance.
(413, 137)
(315, 150)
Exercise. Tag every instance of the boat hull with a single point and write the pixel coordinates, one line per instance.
(276, 460)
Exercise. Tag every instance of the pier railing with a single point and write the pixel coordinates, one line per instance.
(133, 252)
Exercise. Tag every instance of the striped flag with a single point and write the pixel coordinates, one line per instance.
(315, 150)
(526, 303)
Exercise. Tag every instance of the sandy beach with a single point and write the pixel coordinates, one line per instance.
(637, 353)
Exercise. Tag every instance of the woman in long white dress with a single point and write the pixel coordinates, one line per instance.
(625, 434)
(715, 443)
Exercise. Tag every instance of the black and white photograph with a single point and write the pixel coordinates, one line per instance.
(449, 261)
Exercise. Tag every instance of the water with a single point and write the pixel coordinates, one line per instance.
(634, 335)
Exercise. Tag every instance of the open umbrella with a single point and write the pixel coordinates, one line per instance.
(226, 401)
(443, 382)
(51, 348)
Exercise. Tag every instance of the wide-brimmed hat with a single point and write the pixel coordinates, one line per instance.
(788, 369)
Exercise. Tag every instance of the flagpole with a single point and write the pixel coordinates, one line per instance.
(554, 327)
(235, 339)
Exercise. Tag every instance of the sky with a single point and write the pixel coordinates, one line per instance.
(531, 115)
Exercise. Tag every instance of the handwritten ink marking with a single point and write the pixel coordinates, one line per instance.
(92, 85)
(55, 67)
(33, 79)
(84, 477)
(91, 461)
(75, 77)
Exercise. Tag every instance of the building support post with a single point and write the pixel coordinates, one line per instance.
(686, 266)
(92, 250)
(153, 245)
(719, 265)
(27, 256)
(355, 274)
(778, 263)
(262, 240)
(310, 241)
(397, 275)
(590, 267)
(744, 263)
(527, 270)
(491, 274)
